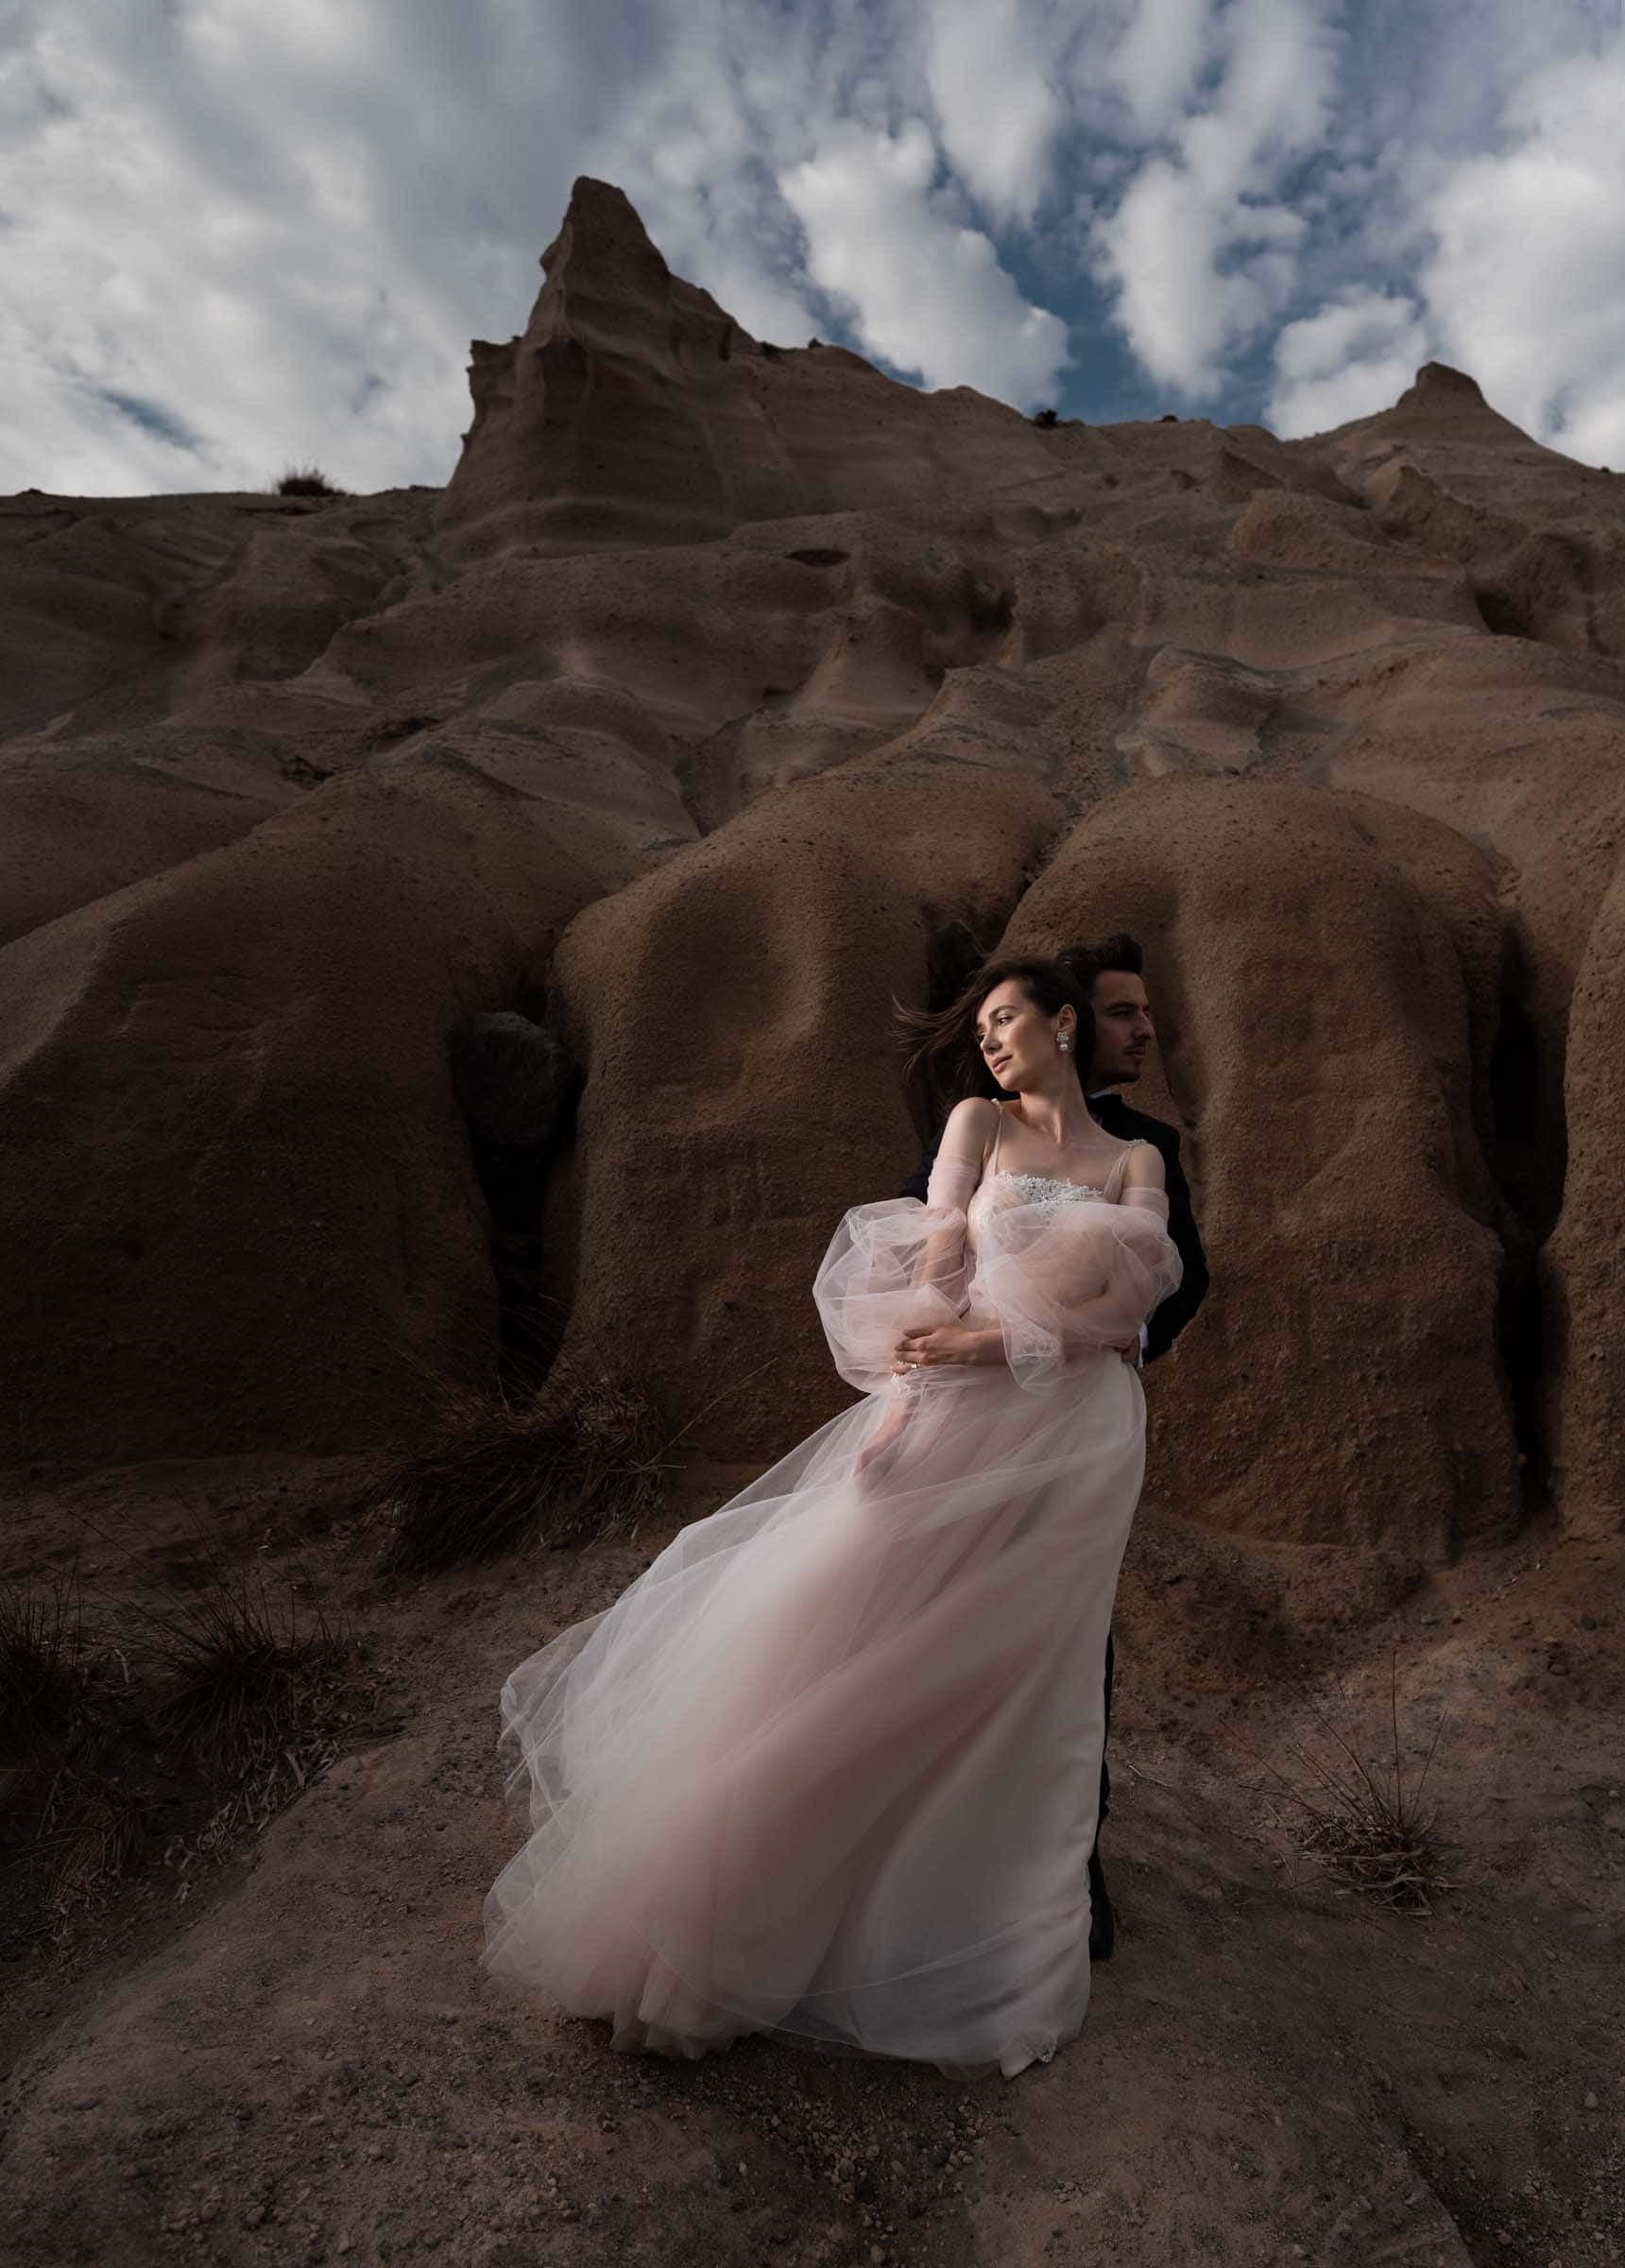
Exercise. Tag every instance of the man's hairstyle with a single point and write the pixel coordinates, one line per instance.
(1120, 953)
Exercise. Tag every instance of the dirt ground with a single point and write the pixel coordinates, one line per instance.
(295, 2057)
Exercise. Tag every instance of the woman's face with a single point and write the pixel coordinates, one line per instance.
(1017, 1040)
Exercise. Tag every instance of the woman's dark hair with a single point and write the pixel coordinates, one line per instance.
(945, 1063)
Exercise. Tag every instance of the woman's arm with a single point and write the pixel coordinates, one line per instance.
(955, 1175)
(956, 1169)
(1114, 1315)
(1070, 1281)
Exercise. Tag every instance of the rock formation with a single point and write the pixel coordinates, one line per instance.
(720, 675)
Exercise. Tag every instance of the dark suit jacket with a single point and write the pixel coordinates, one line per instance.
(1128, 1124)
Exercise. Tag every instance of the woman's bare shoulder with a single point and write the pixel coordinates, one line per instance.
(977, 1110)
(970, 1127)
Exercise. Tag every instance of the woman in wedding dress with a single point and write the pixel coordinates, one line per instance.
(829, 1767)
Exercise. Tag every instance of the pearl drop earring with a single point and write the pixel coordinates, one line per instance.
(1065, 1045)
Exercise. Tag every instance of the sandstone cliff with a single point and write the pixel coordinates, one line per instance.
(718, 677)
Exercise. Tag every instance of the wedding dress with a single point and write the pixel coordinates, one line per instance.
(829, 1767)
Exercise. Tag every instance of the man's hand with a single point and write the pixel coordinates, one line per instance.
(1129, 1351)
(946, 1343)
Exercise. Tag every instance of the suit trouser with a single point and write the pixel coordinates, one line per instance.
(1105, 1772)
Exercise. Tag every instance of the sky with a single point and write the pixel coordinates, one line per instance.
(241, 235)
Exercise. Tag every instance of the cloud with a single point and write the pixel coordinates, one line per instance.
(1353, 358)
(1201, 247)
(991, 67)
(927, 293)
(1523, 284)
(1158, 60)
(236, 216)
(237, 236)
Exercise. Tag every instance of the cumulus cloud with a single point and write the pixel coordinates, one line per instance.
(1352, 358)
(1523, 285)
(1157, 59)
(991, 69)
(927, 292)
(235, 236)
(1201, 246)
(256, 224)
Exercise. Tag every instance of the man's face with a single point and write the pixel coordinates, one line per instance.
(1124, 1029)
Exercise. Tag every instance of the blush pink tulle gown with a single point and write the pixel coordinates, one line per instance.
(829, 1768)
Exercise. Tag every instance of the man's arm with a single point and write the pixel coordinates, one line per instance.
(1175, 1312)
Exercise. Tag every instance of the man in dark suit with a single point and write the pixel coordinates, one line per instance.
(1111, 977)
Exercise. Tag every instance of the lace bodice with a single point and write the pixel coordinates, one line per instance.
(984, 1186)
(1045, 1189)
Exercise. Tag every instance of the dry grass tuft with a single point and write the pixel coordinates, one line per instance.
(306, 480)
(92, 1831)
(237, 1674)
(176, 1727)
(1361, 1823)
(41, 1645)
(583, 1459)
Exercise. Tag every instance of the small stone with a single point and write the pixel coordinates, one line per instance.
(1591, 2102)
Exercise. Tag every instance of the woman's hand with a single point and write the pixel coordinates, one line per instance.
(946, 1343)
(878, 1450)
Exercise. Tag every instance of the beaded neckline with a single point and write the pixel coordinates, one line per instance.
(1081, 1188)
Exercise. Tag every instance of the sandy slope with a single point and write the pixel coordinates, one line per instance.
(303, 2062)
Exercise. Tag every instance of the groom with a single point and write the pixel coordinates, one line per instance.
(1111, 978)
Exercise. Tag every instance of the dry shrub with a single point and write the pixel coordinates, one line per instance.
(238, 1677)
(42, 1646)
(239, 1694)
(1361, 1822)
(504, 1463)
(306, 480)
(583, 1459)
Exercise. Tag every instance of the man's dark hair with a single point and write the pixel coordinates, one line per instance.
(1120, 953)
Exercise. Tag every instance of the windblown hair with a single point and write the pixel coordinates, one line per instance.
(945, 1063)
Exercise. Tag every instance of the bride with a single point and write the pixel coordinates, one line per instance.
(829, 1767)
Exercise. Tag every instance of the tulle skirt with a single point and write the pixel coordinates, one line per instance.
(829, 1768)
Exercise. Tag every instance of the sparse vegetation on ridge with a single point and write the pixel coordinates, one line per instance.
(306, 480)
